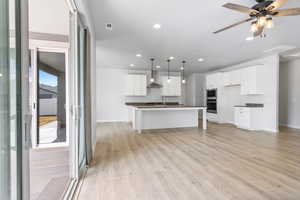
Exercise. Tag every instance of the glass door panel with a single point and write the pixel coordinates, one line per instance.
(10, 128)
(81, 97)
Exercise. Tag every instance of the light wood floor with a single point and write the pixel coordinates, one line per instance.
(190, 164)
(49, 173)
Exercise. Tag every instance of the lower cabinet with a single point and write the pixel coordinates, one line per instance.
(248, 118)
(212, 117)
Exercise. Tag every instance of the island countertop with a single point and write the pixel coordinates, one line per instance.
(163, 106)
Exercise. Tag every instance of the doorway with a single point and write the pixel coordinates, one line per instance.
(48, 81)
(49, 155)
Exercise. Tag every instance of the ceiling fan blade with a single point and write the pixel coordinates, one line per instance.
(287, 12)
(233, 25)
(277, 4)
(259, 31)
(240, 8)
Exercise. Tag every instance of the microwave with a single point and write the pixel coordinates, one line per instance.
(211, 93)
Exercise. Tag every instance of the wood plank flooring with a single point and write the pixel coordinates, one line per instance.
(49, 173)
(191, 164)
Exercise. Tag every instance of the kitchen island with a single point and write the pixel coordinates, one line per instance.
(160, 116)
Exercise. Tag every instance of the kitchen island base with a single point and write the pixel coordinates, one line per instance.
(166, 118)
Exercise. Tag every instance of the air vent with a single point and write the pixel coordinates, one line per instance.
(108, 26)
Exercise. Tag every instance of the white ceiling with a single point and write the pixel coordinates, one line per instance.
(186, 33)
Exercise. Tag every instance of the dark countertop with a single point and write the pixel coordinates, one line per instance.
(160, 105)
(251, 105)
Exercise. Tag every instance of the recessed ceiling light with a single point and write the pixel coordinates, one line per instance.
(171, 58)
(156, 26)
(182, 68)
(0, 75)
(200, 59)
(131, 65)
(138, 55)
(250, 38)
(157, 66)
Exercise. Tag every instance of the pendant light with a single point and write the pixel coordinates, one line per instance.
(169, 79)
(183, 68)
(152, 70)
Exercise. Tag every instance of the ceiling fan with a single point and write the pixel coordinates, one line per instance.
(261, 15)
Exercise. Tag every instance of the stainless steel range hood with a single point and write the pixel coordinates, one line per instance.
(155, 84)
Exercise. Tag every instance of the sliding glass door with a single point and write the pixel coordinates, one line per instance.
(81, 96)
(10, 101)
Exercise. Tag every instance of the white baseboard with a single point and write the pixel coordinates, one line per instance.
(110, 121)
(290, 126)
(271, 130)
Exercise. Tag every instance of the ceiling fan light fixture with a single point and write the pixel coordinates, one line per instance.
(254, 27)
(270, 23)
(262, 21)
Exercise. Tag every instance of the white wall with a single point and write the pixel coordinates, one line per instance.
(195, 90)
(230, 96)
(289, 94)
(111, 97)
(49, 16)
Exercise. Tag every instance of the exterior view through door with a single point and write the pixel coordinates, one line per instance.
(51, 98)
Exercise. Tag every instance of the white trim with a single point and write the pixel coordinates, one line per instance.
(271, 130)
(290, 126)
(47, 44)
(107, 121)
(72, 6)
(52, 145)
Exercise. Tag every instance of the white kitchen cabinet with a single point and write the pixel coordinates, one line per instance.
(252, 81)
(248, 118)
(136, 85)
(232, 78)
(212, 117)
(213, 80)
(173, 88)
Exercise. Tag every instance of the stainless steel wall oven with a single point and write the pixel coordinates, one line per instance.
(211, 100)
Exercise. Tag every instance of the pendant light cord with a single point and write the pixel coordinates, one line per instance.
(168, 69)
(152, 60)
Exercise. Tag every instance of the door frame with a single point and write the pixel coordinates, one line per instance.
(76, 173)
(34, 57)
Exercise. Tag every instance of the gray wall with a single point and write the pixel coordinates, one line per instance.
(289, 94)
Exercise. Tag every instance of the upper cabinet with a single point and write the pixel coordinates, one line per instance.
(232, 78)
(213, 81)
(172, 88)
(136, 85)
(252, 81)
